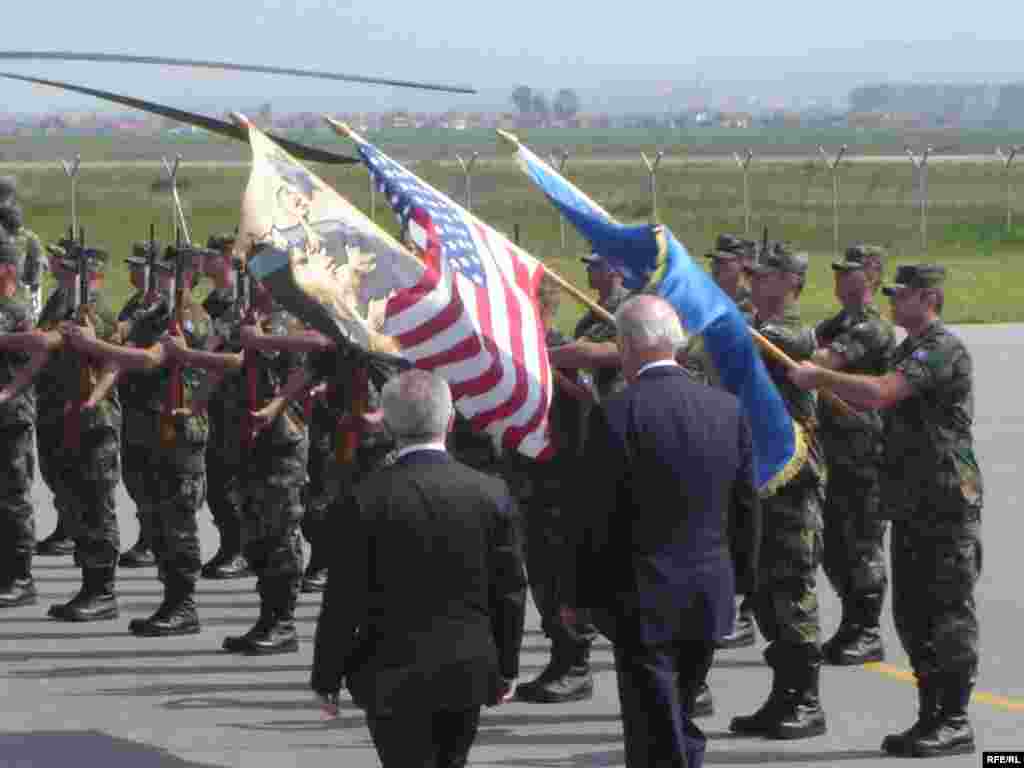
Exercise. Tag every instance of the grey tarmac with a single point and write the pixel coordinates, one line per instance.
(94, 695)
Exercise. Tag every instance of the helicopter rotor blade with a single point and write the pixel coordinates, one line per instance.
(119, 58)
(301, 151)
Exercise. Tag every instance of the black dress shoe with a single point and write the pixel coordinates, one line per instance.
(703, 704)
(743, 633)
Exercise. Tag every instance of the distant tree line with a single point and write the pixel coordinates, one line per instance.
(531, 101)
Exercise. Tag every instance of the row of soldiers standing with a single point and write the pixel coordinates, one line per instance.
(835, 511)
(263, 479)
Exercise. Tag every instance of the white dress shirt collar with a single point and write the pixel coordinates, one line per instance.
(420, 447)
(656, 364)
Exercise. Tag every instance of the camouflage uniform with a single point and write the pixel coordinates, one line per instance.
(33, 262)
(786, 604)
(854, 531)
(541, 488)
(593, 328)
(791, 550)
(174, 483)
(275, 476)
(138, 443)
(932, 488)
(17, 468)
(83, 481)
(31, 258)
(224, 460)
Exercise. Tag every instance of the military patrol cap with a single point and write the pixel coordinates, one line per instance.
(7, 191)
(96, 261)
(731, 247)
(916, 276)
(220, 242)
(860, 256)
(781, 257)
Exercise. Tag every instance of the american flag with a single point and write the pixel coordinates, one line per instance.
(473, 317)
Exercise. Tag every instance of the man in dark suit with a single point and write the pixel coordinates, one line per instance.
(654, 543)
(424, 608)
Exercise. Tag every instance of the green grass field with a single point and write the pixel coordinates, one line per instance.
(966, 215)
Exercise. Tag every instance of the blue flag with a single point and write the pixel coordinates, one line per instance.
(651, 258)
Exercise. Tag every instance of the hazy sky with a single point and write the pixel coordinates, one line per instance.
(495, 46)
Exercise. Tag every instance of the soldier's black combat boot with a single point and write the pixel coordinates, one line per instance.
(140, 555)
(229, 562)
(56, 544)
(928, 695)
(743, 633)
(858, 639)
(177, 614)
(17, 587)
(280, 636)
(800, 715)
(268, 613)
(767, 716)
(96, 600)
(950, 732)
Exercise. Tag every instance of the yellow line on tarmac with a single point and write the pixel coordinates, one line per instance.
(982, 697)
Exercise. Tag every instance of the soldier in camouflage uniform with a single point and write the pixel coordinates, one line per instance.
(857, 340)
(731, 261)
(593, 348)
(274, 470)
(786, 605)
(17, 438)
(138, 435)
(178, 480)
(542, 489)
(224, 461)
(32, 259)
(932, 489)
(83, 478)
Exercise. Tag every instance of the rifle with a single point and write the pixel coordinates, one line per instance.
(247, 311)
(85, 374)
(151, 287)
(175, 399)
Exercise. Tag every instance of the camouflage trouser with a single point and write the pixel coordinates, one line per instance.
(273, 512)
(141, 469)
(83, 485)
(854, 556)
(17, 473)
(176, 534)
(49, 451)
(935, 566)
(226, 499)
(786, 604)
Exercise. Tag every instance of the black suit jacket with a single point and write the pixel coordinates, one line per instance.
(425, 598)
(666, 461)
